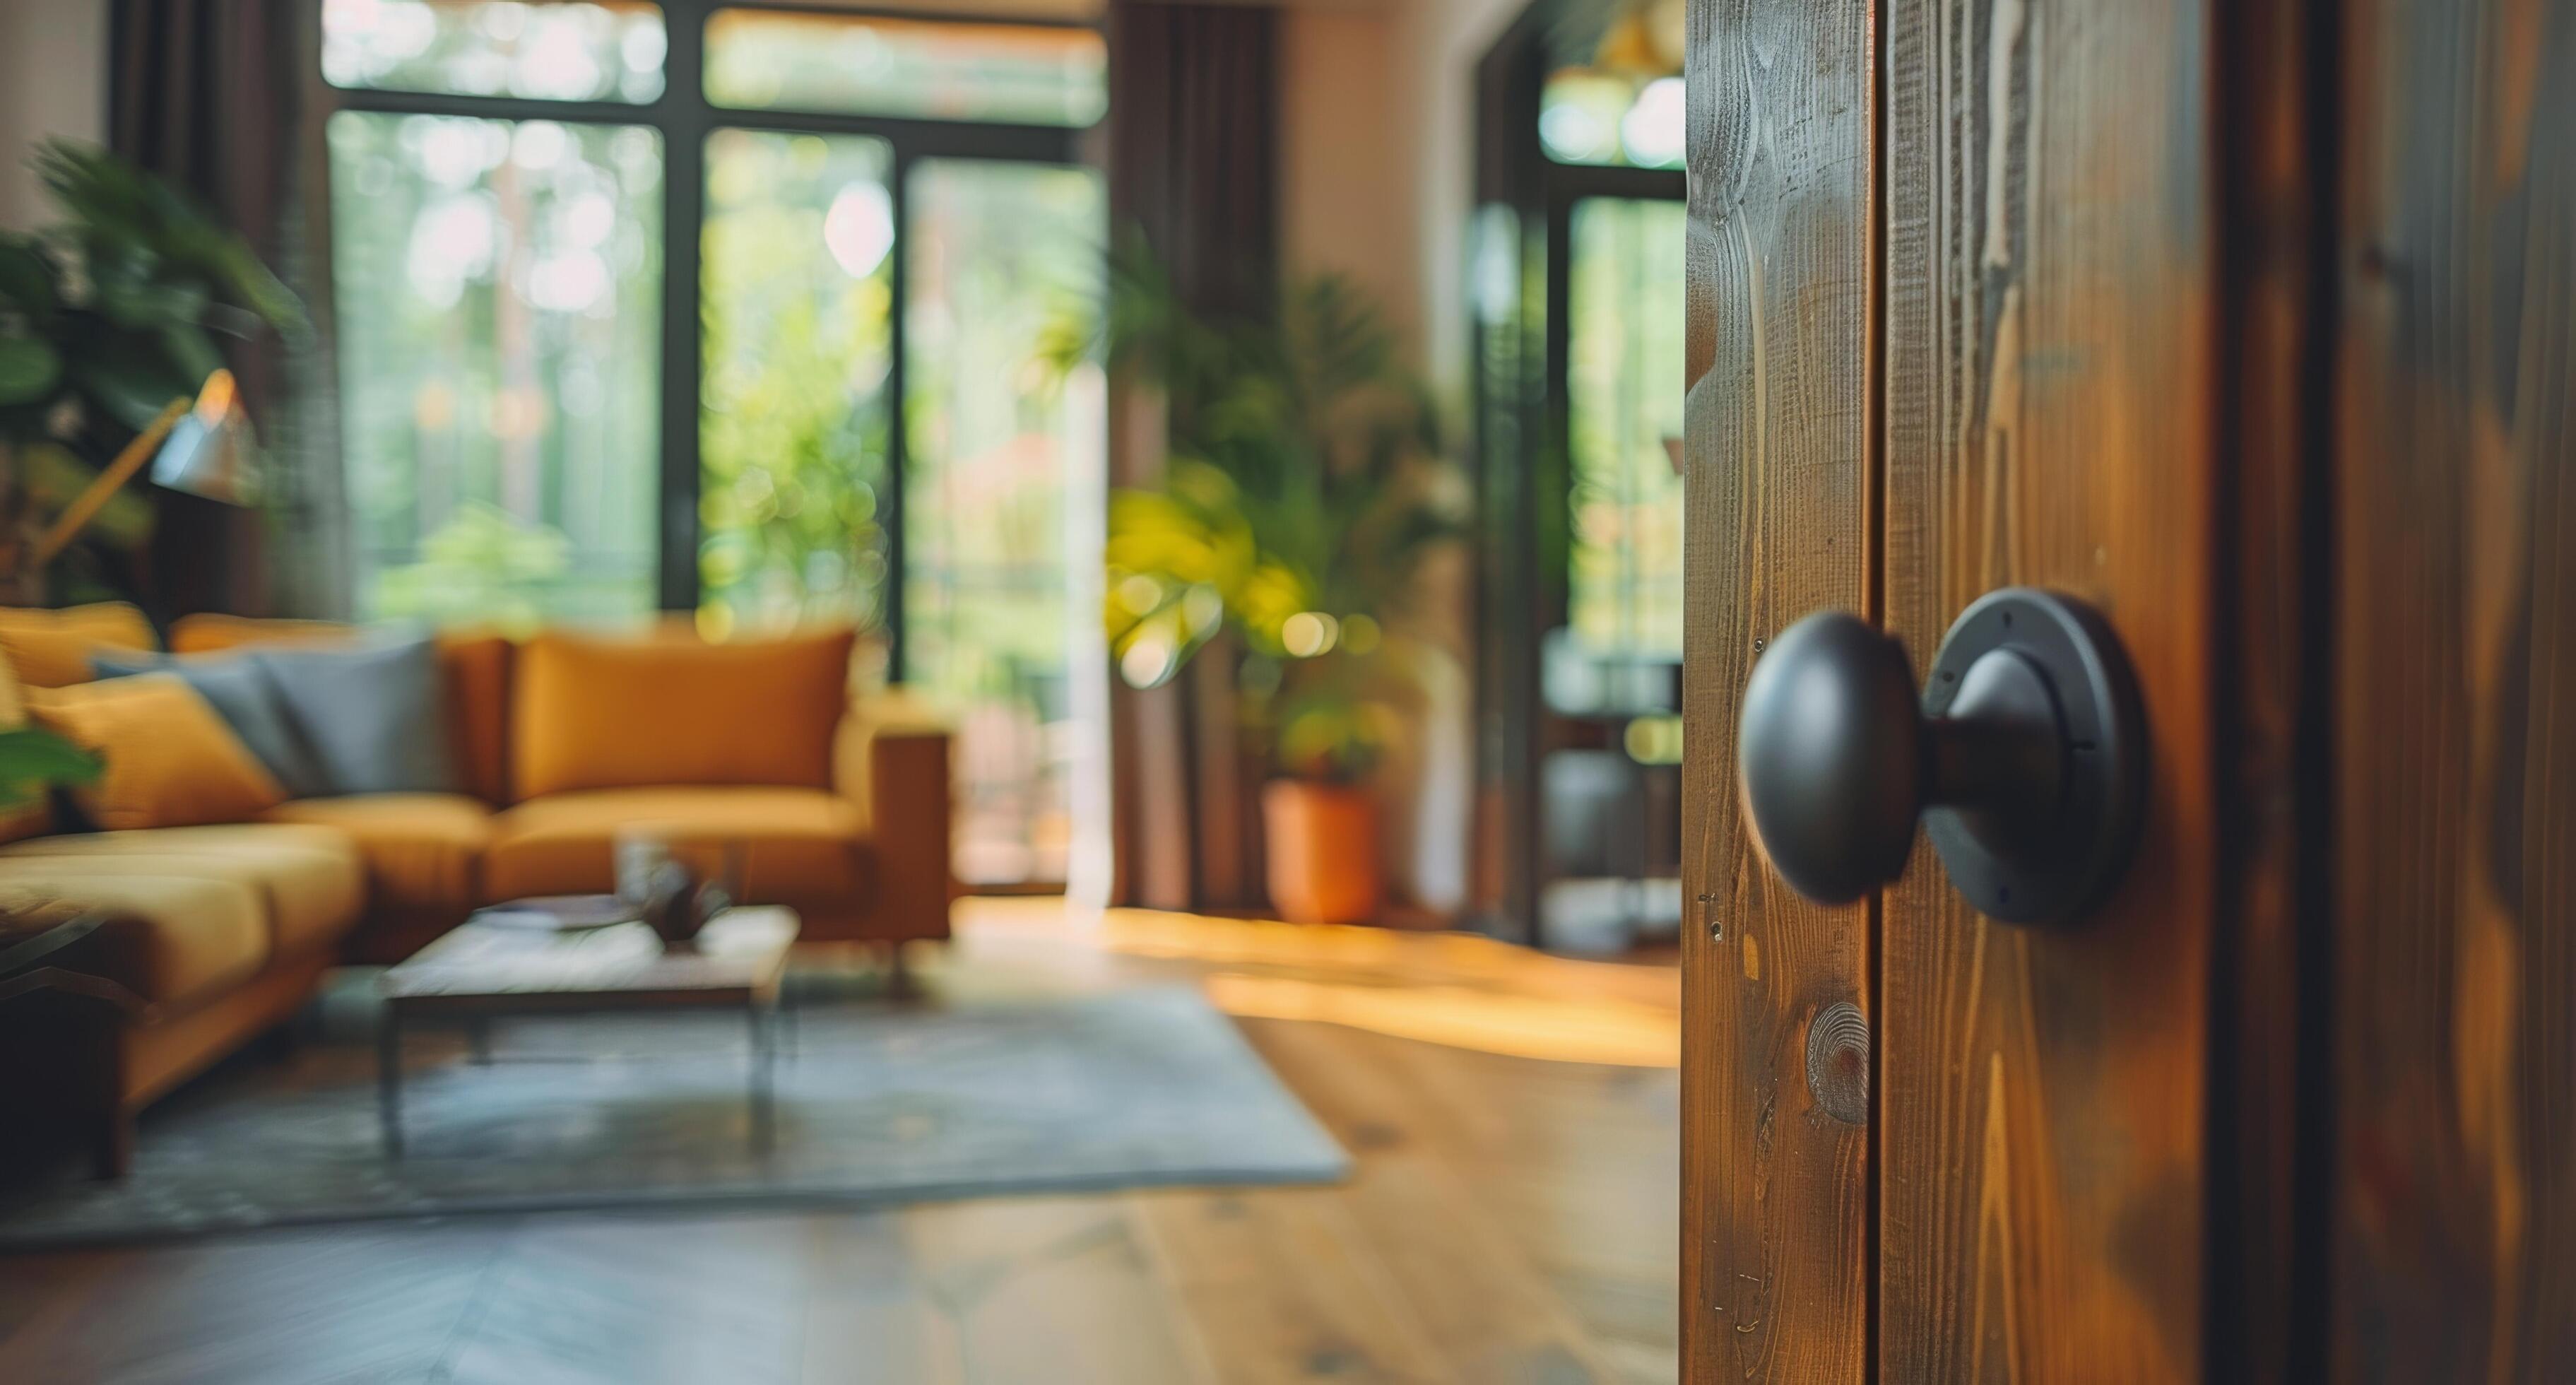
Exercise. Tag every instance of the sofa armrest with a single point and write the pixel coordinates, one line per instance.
(891, 761)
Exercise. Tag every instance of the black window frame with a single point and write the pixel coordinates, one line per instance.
(1522, 428)
(686, 120)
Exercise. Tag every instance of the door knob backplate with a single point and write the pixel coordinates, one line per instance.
(2024, 756)
(2070, 844)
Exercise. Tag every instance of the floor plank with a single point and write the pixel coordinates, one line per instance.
(1511, 1218)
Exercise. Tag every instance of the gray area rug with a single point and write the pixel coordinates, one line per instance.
(876, 1104)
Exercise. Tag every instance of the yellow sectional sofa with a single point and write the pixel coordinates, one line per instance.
(752, 754)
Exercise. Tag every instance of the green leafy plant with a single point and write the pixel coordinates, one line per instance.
(1306, 485)
(32, 761)
(108, 316)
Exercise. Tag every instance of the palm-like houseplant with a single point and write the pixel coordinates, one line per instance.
(105, 318)
(1306, 485)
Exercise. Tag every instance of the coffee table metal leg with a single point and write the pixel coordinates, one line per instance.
(389, 1079)
(764, 1095)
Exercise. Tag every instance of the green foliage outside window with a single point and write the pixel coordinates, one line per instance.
(792, 436)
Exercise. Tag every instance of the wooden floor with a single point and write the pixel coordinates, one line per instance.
(1512, 1219)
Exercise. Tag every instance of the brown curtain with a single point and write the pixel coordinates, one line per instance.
(1193, 168)
(205, 93)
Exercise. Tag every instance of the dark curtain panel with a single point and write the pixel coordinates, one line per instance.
(1193, 168)
(204, 93)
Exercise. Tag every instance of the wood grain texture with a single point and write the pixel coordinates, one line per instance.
(1775, 1200)
(2050, 422)
(2454, 1209)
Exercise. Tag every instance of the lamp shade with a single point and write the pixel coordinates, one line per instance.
(211, 451)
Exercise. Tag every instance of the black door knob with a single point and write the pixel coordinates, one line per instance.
(2024, 756)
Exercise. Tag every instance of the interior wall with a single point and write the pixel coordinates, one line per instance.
(53, 81)
(1376, 154)
(1438, 47)
(1344, 206)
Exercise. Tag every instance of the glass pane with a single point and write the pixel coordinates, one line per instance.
(1624, 381)
(1588, 117)
(1024, 73)
(498, 289)
(1616, 97)
(797, 289)
(1001, 257)
(609, 50)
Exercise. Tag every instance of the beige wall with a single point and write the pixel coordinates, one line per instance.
(53, 81)
(1344, 201)
(1440, 45)
(1376, 164)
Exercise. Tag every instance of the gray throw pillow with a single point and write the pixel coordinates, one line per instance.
(245, 697)
(373, 717)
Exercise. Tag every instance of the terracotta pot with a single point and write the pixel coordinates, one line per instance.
(1322, 848)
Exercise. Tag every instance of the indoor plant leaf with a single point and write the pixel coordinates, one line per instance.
(132, 390)
(27, 277)
(152, 304)
(53, 476)
(32, 760)
(187, 346)
(28, 369)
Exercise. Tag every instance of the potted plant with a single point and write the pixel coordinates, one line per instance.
(105, 319)
(1306, 485)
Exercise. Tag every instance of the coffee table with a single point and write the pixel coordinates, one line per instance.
(483, 971)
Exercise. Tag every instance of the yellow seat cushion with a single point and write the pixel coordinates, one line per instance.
(51, 649)
(798, 846)
(423, 851)
(308, 880)
(171, 760)
(667, 708)
(174, 937)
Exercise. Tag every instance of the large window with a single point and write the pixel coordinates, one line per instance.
(499, 287)
(735, 311)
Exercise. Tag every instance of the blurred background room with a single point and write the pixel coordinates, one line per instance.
(1216, 464)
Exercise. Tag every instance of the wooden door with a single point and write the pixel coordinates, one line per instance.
(2250, 324)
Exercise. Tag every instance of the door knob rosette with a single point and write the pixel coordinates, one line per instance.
(2025, 756)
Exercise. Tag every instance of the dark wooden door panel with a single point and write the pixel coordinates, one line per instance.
(1775, 1201)
(2050, 422)
(2454, 941)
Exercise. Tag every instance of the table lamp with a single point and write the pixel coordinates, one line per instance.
(204, 449)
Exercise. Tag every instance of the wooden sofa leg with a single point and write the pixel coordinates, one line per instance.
(112, 1156)
(901, 984)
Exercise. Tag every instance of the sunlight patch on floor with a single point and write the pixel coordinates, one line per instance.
(1562, 1031)
(1461, 990)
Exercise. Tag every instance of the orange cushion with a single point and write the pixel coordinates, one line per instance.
(51, 649)
(476, 669)
(171, 760)
(474, 666)
(797, 846)
(423, 851)
(671, 709)
(210, 633)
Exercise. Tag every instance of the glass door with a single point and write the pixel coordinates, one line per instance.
(1002, 448)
